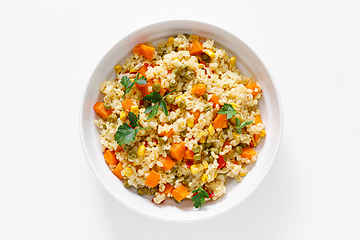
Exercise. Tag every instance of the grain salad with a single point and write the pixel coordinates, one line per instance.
(179, 119)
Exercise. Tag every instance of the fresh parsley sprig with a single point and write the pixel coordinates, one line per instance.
(126, 133)
(128, 84)
(155, 97)
(199, 197)
(230, 111)
(240, 126)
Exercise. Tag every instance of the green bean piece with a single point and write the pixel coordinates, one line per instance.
(107, 106)
(205, 96)
(132, 154)
(207, 108)
(127, 147)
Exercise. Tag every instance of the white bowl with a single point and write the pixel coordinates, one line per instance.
(236, 192)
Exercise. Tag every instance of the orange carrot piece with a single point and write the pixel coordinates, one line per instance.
(144, 89)
(247, 153)
(167, 133)
(252, 86)
(168, 189)
(214, 99)
(256, 137)
(199, 89)
(180, 193)
(196, 116)
(258, 119)
(142, 70)
(162, 89)
(100, 110)
(189, 154)
(110, 157)
(152, 179)
(220, 121)
(126, 104)
(173, 107)
(226, 143)
(167, 162)
(196, 48)
(144, 50)
(177, 151)
(118, 169)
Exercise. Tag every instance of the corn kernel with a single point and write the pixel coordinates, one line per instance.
(118, 69)
(262, 133)
(170, 42)
(195, 168)
(122, 116)
(194, 37)
(204, 178)
(211, 130)
(134, 109)
(141, 150)
(190, 122)
(133, 70)
(236, 136)
(205, 164)
(235, 106)
(176, 59)
(203, 139)
(243, 172)
(128, 172)
(238, 178)
(209, 53)
(232, 62)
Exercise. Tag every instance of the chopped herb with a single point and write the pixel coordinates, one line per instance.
(128, 84)
(126, 133)
(199, 197)
(228, 110)
(243, 124)
(159, 101)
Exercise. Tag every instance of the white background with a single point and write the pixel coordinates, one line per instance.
(48, 51)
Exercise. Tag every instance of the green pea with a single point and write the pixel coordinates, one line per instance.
(127, 147)
(196, 149)
(162, 141)
(172, 83)
(156, 87)
(112, 117)
(161, 52)
(107, 106)
(208, 145)
(182, 104)
(215, 150)
(189, 75)
(143, 190)
(243, 145)
(126, 184)
(104, 126)
(205, 57)
(183, 133)
(186, 35)
(205, 96)
(197, 156)
(238, 149)
(172, 121)
(154, 190)
(207, 108)
(222, 137)
(132, 154)
(183, 69)
(170, 99)
(210, 159)
(167, 152)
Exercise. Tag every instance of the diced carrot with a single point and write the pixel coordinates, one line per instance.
(100, 110)
(167, 162)
(152, 179)
(199, 89)
(118, 169)
(252, 86)
(173, 107)
(220, 121)
(214, 99)
(144, 50)
(167, 133)
(177, 151)
(226, 143)
(247, 153)
(144, 89)
(126, 104)
(196, 115)
(189, 154)
(162, 89)
(196, 48)
(168, 189)
(143, 70)
(110, 157)
(180, 193)
(258, 119)
(256, 137)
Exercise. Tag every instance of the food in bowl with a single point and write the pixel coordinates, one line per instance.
(178, 119)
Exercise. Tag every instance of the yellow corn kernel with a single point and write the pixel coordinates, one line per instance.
(262, 133)
(194, 37)
(134, 109)
(235, 106)
(236, 136)
(118, 69)
(204, 178)
(141, 150)
(122, 116)
(170, 42)
(128, 172)
(209, 53)
(243, 171)
(195, 168)
(176, 59)
(238, 178)
(201, 134)
(205, 164)
(215, 175)
(190, 122)
(203, 139)
(211, 130)
(133, 70)
(232, 62)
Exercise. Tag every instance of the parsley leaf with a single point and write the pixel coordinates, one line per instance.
(128, 84)
(228, 110)
(155, 97)
(240, 126)
(134, 121)
(199, 197)
(125, 134)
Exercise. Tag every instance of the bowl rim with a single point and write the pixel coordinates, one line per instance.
(111, 191)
